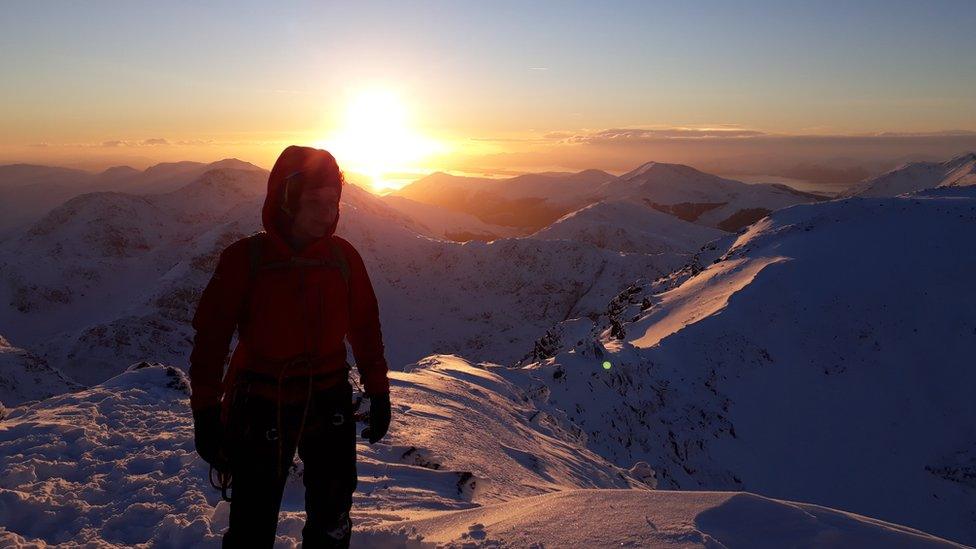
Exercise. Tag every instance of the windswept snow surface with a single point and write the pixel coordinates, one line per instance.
(469, 463)
(115, 463)
(917, 176)
(644, 518)
(825, 356)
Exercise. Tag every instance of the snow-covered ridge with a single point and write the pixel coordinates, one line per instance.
(823, 356)
(917, 176)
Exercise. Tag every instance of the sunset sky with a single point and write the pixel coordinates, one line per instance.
(399, 89)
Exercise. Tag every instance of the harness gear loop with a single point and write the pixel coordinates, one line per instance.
(223, 483)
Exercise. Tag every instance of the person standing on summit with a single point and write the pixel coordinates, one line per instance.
(294, 293)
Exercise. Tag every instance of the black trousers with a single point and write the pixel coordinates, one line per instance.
(262, 450)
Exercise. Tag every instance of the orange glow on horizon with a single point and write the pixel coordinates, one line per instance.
(376, 138)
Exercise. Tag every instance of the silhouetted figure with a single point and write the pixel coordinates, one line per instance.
(293, 293)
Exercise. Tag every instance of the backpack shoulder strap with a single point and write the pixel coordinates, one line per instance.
(255, 252)
(339, 257)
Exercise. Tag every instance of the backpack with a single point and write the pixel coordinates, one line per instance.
(255, 252)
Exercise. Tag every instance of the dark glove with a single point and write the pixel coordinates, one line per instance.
(208, 437)
(379, 418)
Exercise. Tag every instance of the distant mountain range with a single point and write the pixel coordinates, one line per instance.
(27, 191)
(533, 201)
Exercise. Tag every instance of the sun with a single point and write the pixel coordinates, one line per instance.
(376, 138)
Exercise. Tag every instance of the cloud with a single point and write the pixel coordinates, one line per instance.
(642, 134)
(154, 141)
(645, 135)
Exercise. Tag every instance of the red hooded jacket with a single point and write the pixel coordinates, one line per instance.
(284, 313)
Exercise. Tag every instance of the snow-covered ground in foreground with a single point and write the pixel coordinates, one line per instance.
(646, 518)
(469, 463)
(116, 463)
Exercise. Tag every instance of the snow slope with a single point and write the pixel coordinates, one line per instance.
(115, 463)
(699, 197)
(469, 463)
(916, 176)
(24, 377)
(80, 277)
(824, 356)
(644, 518)
(627, 226)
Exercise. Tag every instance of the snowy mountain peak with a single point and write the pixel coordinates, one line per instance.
(233, 163)
(117, 172)
(959, 171)
(592, 172)
(243, 180)
(662, 169)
